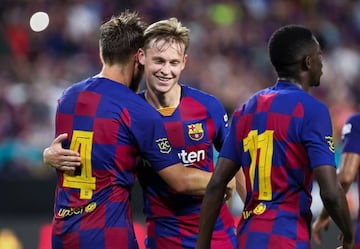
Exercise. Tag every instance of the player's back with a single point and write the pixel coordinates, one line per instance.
(281, 140)
(105, 121)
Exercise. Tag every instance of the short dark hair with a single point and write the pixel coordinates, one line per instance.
(288, 46)
(121, 37)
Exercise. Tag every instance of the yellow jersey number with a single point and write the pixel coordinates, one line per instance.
(260, 148)
(82, 142)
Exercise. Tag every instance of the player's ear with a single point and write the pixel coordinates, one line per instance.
(141, 56)
(185, 60)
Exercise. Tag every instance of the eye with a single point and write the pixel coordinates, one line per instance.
(158, 61)
(175, 63)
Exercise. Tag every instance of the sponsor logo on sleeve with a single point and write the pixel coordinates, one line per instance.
(195, 131)
(330, 142)
(164, 145)
(346, 130)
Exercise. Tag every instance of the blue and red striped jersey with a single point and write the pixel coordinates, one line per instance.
(350, 138)
(111, 127)
(279, 136)
(193, 128)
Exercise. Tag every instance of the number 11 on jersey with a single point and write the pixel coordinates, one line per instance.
(261, 148)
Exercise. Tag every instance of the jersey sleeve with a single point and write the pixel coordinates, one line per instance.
(220, 118)
(351, 135)
(230, 148)
(151, 137)
(317, 134)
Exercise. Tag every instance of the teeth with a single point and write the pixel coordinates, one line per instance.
(163, 78)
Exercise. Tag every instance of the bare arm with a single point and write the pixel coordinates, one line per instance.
(335, 203)
(241, 185)
(211, 205)
(186, 179)
(349, 166)
(189, 180)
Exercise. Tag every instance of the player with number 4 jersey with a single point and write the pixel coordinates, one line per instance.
(110, 127)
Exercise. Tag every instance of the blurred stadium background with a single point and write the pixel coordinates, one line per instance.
(41, 55)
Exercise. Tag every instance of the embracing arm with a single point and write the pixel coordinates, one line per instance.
(189, 180)
(213, 199)
(59, 158)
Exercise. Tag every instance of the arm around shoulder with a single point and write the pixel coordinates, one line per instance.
(186, 180)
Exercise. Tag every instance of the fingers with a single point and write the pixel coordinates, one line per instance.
(228, 193)
(60, 138)
(68, 169)
(69, 154)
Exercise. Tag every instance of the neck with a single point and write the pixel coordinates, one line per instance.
(163, 100)
(293, 81)
(118, 73)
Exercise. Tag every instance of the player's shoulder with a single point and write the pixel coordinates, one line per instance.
(199, 95)
(354, 118)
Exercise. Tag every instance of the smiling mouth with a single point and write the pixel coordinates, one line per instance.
(163, 78)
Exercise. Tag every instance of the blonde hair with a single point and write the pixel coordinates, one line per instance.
(169, 30)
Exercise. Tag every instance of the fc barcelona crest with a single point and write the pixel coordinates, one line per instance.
(195, 131)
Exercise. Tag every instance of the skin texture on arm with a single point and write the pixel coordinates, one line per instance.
(213, 199)
(186, 180)
(241, 185)
(349, 166)
(335, 203)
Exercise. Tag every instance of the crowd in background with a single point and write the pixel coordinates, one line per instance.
(227, 58)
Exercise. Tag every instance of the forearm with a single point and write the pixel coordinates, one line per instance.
(210, 209)
(338, 210)
(196, 181)
(186, 180)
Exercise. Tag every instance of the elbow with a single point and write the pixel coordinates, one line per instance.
(345, 180)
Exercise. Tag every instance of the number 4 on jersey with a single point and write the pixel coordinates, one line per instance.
(82, 142)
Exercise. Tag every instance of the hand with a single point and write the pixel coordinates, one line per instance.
(59, 158)
(230, 189)
(318, 225)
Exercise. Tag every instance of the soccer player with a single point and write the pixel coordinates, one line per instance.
(110, 127)
(348, 171)
(282, 138)
(195, 122)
